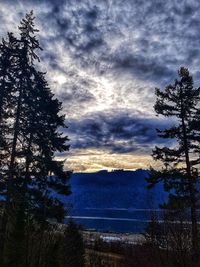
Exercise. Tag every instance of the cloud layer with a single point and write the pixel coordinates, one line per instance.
(103, 60)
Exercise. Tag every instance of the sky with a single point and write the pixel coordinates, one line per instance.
(103, 60)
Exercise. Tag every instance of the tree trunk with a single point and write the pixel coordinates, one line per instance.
(193, 201)
(11, 209)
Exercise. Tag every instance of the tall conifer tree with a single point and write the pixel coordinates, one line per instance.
(32, 180)
(180, 175)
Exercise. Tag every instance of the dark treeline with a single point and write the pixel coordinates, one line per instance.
(31, 180)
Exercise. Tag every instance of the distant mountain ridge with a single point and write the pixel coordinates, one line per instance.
(117, 189)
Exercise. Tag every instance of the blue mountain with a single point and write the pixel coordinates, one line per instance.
(117, 189)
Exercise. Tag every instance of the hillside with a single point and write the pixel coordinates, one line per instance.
(117, 189)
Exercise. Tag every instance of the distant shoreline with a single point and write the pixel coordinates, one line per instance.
(90, 236)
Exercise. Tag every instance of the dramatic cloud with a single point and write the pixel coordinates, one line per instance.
(119, 132)
(103, 60)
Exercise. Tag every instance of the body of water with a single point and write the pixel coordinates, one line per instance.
(115, 220)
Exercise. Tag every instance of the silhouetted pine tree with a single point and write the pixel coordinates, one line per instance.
(31, 178)
(180, 101)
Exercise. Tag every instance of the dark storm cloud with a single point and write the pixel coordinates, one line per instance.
(119, 132)
(165, 34)
(141, 66)
(155, 37)
(76, 26)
